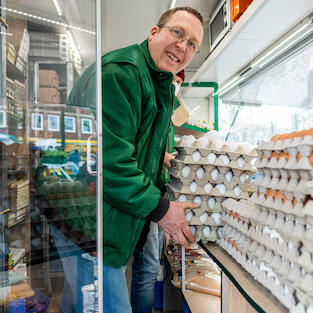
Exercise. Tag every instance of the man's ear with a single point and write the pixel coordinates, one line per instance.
(153, 32)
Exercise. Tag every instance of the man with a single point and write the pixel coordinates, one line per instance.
(146, 263)
(137, 99)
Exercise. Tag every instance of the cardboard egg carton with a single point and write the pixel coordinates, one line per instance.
(286, 173)
(202, 234)
(178, 188)
(203, 217)
(244, 208)
(304, 291)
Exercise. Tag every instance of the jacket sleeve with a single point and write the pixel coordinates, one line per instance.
(125, 186)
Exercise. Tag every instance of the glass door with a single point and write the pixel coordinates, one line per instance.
(49, 154)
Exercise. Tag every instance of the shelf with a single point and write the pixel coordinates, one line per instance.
(256, 294)
(263, 23)
(201, 302)
(186, 129)
(14, 73)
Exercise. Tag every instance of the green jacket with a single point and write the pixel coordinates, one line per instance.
(137, 101)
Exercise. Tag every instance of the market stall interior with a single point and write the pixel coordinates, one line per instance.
(244, 153)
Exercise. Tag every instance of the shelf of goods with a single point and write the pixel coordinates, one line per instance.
(270, 235)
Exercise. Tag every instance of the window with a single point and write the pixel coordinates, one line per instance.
(54, 123)
(37, 121)
(69, 124)
(86, 126)
(3, 119)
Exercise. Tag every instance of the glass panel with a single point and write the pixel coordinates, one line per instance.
(48, 157)
(278, 101)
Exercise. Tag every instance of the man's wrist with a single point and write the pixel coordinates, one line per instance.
(160, 210)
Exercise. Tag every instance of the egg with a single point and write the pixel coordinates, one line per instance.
(225, 159)
(211, 203)
(190, 140)
(217, 218)
(189, 216)
(212, 135)
(211, 157)
(206, 231)
(196, 156)
(193, 186)
(208, 187)
(203, 141)
(241, 162)
(185, 171)
(243, 177)
(229, 176)
(197, 200)
(193, 229)
(182, 198)
(203, 217)
(221, 188)
(237, 190)
(200, 172)
(214, 174)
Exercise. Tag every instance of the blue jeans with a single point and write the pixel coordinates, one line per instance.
(78, 268)
(145, 270)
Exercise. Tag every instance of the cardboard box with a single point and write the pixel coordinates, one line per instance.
(48, 78)
(49, 95)
(180, 115)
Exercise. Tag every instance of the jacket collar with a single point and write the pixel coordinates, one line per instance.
(161, 74)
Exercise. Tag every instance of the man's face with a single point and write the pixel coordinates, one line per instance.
(168, 54)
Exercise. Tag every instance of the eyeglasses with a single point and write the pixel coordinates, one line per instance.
(180, 37)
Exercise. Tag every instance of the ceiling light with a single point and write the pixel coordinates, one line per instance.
(73, 43)
(173, 3)
(225, 89)
(290, 37)
(57, 6)
(48, 20)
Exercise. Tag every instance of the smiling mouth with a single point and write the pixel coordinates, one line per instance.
(172, 57)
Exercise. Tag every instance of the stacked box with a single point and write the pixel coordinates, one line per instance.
(11, 53)
(206, 172)
(272, 236)
(49, 95)
(48, 78)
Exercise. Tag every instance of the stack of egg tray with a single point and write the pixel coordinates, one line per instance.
(206, 175)
(273, 238)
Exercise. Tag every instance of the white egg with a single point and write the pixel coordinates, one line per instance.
(185, 171)
(189, 216)
(212, 135)
(197, 200)
(182, 198)
(211, 157)
(193, 186)
(229, 176)
(220, 232)
(196, 156)
(203, 217)
(206, 231)
(190, 140)
(246, 147)
(217, 218)
(193, 229)
(225, 159)
(241, 162)
(208, 187)
(211, 203)
(232, 146)
(203, 141)
(237, 190)
(214, 174)
(221, 188)
(243, 177)
(200, 172)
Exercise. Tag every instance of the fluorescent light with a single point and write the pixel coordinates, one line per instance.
(172, 4)
(47, 20)
(73, 43)
(223, 90)
(227, 84)
(253, 64)
(57, 6)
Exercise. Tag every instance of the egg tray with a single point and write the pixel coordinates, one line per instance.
(244, 208)
(215, 148)
(309, 186)
(199, 235)
(302, 143)
(286, 173)
(170, 195)
(305, 297)
(188, 159)
(179, 188)
(197, 213)
(294, 185)
(293, 163)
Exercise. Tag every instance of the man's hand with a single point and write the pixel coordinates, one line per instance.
(167, 158)
(174, 224)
